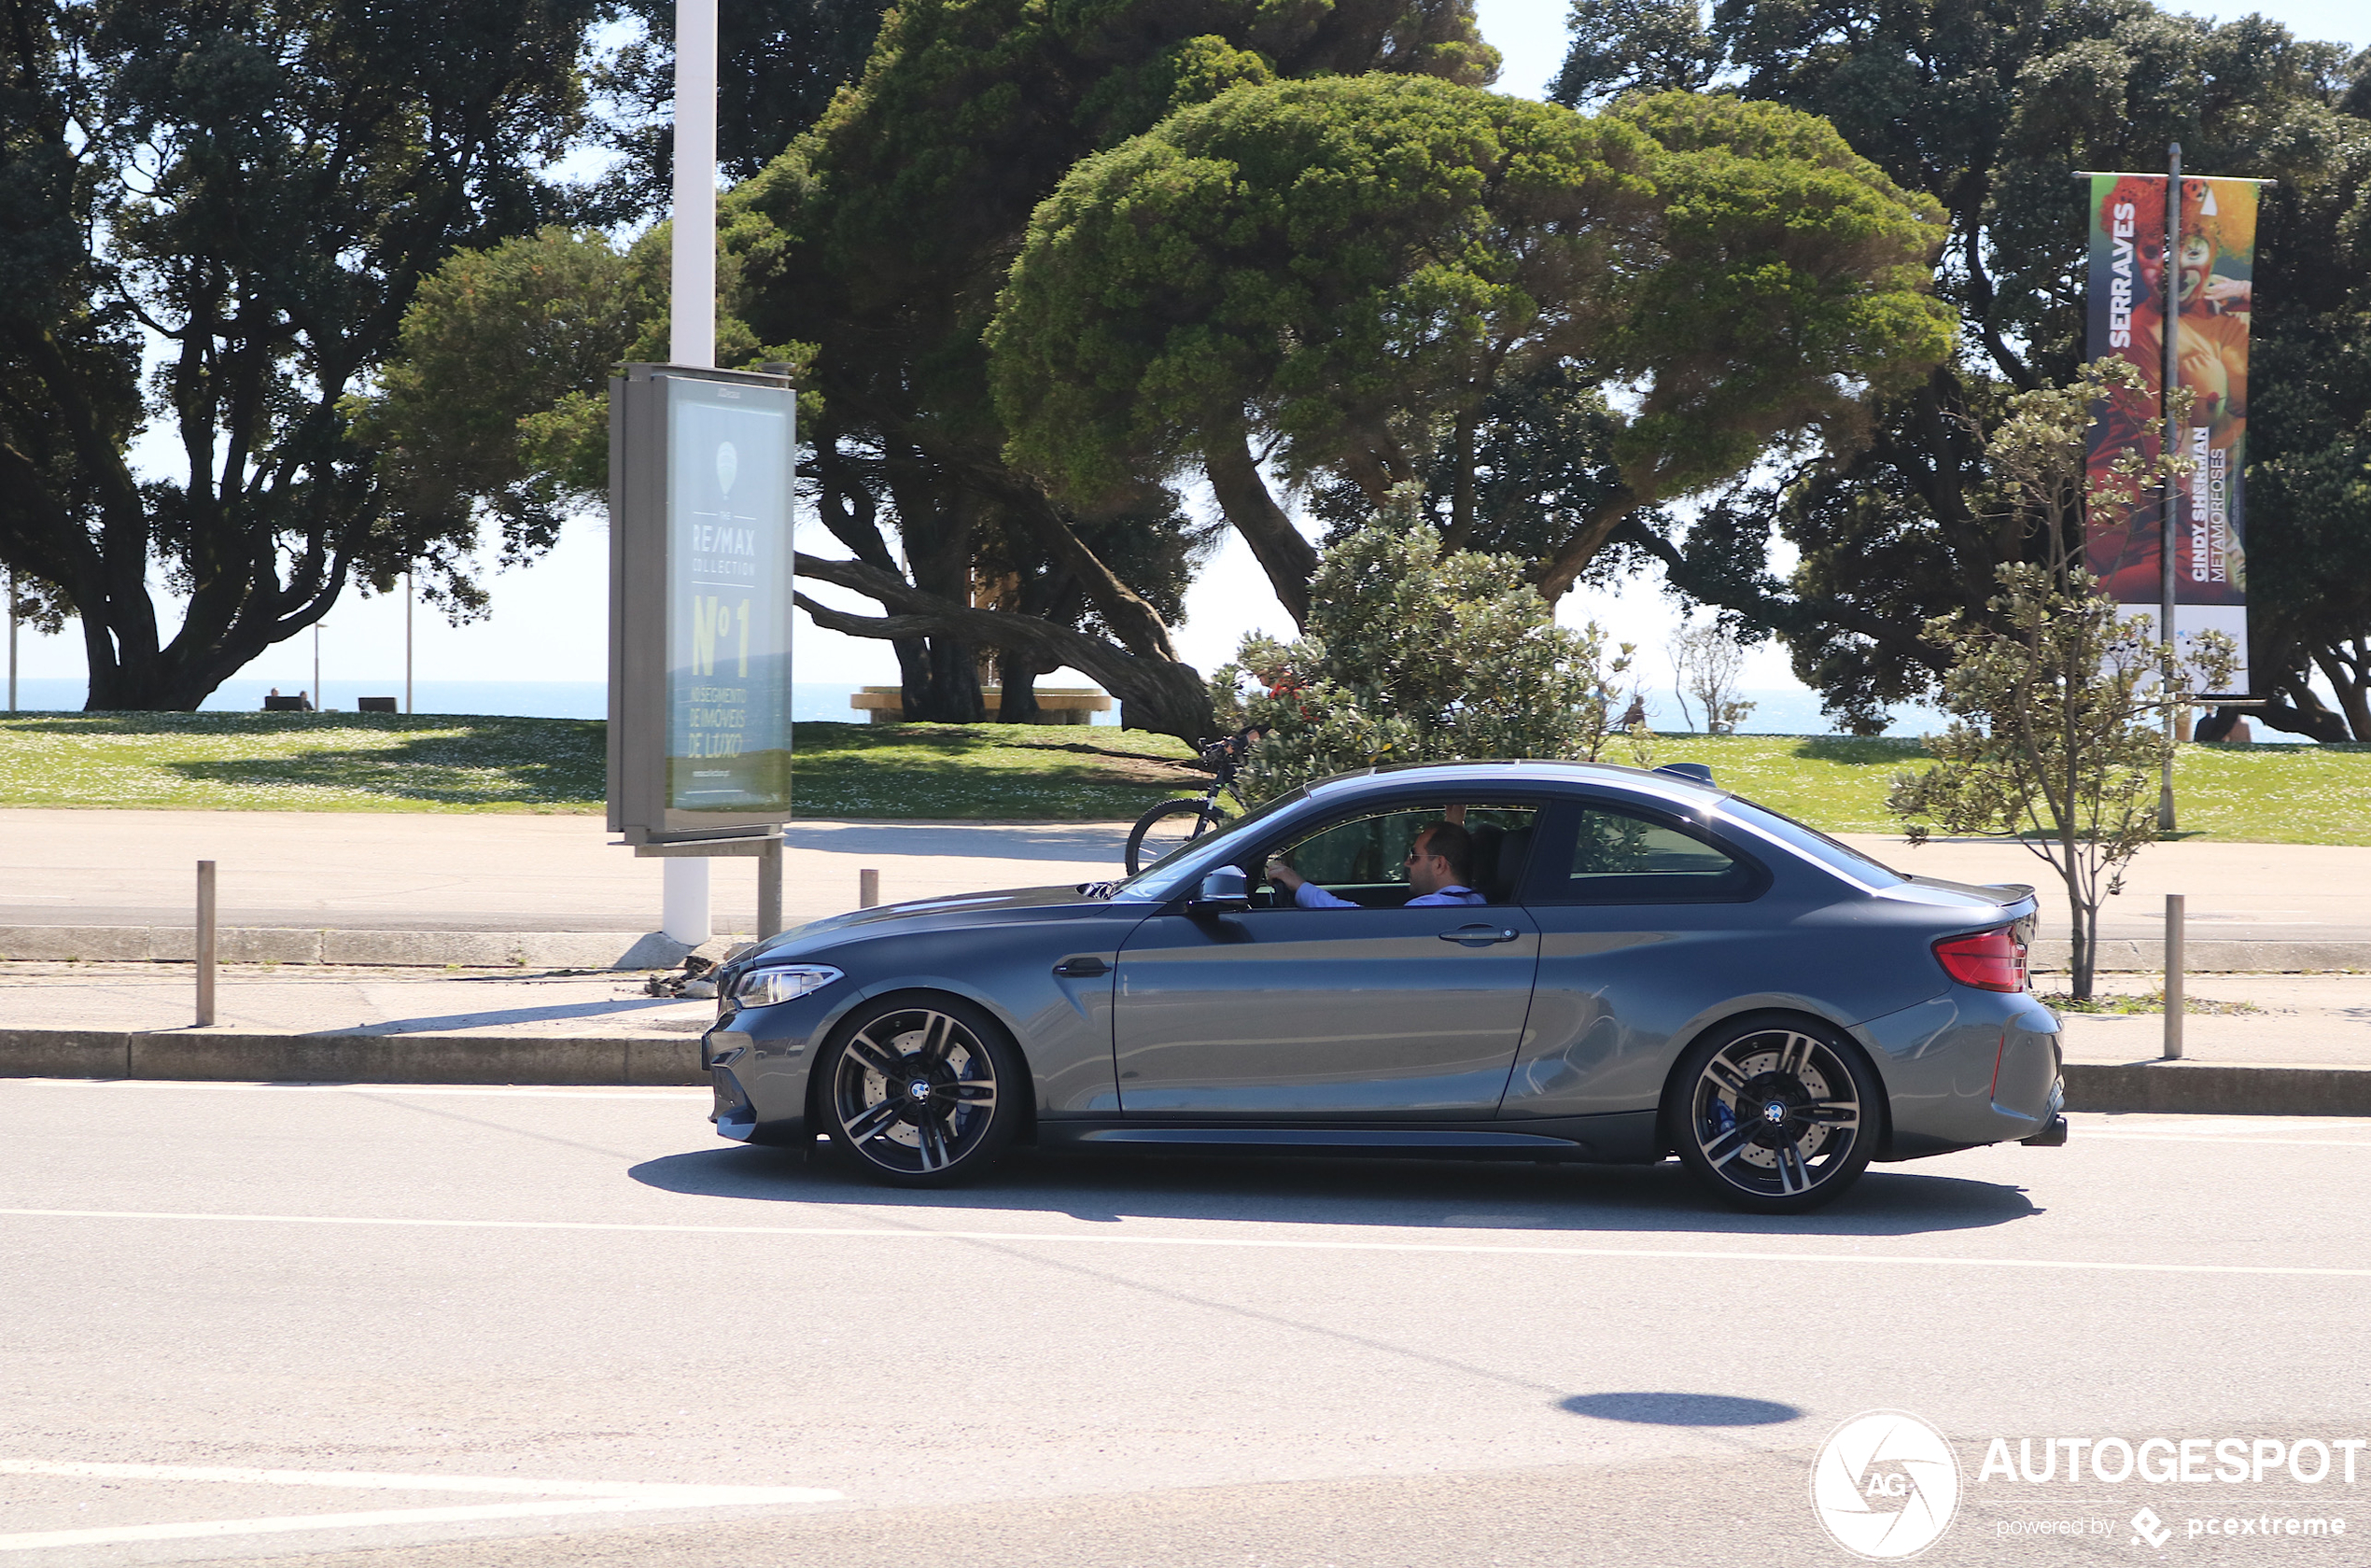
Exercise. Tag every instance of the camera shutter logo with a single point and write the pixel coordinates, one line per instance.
(1885, 1485)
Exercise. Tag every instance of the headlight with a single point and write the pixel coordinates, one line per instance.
(763, 988)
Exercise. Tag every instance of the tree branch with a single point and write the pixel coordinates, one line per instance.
(1289, 560)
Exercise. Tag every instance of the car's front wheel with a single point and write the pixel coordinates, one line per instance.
(1775, 1114)
(924, 1093)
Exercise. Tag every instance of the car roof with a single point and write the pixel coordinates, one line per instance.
(1677, 790)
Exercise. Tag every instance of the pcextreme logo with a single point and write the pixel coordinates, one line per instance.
(1884, 1485)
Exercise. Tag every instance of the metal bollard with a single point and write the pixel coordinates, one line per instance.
(868, 888)
(2174, 906)
(769, 888)
(206, 944)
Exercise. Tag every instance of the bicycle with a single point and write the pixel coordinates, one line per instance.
(1174, 824)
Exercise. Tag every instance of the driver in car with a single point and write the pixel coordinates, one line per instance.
(1439, 866)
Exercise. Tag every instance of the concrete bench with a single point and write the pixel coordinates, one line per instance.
(1056, 705)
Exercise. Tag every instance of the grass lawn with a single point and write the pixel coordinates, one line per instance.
(382, 761)
(376, 761)
(2258, 794)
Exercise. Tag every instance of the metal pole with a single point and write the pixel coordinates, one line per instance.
(692, 330)
(769, 888)
(318, 706)
(2169, 534)
(12, 642)
(206, 944)
(868, 888)
(407, 640)
(2175, 907)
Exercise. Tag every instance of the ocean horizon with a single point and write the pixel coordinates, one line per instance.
(1776, 711)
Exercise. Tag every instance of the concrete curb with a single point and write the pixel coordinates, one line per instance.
(2126, 955)
(2219, 1088)
(224, 1055)
(285, 945)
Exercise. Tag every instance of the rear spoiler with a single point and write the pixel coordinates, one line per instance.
(2016, 893)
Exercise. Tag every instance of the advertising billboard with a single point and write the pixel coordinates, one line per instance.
(2215, 293)
(701, 559)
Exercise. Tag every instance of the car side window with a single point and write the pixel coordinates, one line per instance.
(1363, 859)
(1621, 857)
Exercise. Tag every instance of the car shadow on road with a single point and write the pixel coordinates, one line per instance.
(1546, 1201)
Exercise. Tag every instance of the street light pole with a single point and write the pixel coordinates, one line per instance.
(407, 640)
(685, 907)
(2169, 532)
(12, 642)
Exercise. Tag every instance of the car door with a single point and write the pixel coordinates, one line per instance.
(1647, 917)
(1378, 1011)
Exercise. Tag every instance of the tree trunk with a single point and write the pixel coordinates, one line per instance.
(1017, 677)
(2084, 933)
(1289, 560)
(1160, 694)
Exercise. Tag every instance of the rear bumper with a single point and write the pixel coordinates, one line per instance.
(1966, 1069)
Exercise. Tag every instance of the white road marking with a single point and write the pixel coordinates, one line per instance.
(2103, 1137)
(507, 1092)
(562, 1498)
(1104, 1238)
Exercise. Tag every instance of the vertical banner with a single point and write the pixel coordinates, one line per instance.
(2217, 264)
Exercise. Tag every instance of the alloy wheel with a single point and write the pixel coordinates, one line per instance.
(1777, 1115)
(914, 1092)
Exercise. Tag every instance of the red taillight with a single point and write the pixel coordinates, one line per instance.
(1993, 960)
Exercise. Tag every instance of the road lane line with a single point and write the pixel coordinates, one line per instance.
(2196, 1138)
(1684, 1254)
(504, 1091)
(561, 1498)
(379, 1481)
(38, 1539)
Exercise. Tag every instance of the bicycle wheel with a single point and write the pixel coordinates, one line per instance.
(1165, 829)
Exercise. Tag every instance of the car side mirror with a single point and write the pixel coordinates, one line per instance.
(1225, 891)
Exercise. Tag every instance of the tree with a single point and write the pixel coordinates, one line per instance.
(2058, 697)
(1987, 106)
(1704, 661)
(1204, 294)
(777, 64)
(255, 188)
(882, 236)
(1415, 653)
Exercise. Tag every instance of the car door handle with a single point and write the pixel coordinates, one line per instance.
(1479, 936)
(1081, 968)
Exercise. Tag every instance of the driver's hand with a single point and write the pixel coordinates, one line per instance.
(1283, 875)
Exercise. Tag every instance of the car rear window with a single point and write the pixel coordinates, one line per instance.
(1619, 857)
(1837, 856)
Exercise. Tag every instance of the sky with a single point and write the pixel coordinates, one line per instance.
(549, 619)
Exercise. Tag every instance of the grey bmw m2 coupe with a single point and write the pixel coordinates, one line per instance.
(1630, 966)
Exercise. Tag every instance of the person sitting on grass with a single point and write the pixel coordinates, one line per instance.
(1440, 866)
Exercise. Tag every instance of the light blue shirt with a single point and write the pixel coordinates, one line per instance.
(1309, 895)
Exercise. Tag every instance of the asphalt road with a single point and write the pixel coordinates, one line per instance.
(467, 1328)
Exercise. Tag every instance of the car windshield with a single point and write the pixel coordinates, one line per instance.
(1163, 879)
(1837, 856)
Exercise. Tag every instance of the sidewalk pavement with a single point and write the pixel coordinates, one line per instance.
(549, 892)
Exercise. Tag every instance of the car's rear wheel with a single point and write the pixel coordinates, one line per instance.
(924, 1093)
(1777, 1115)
